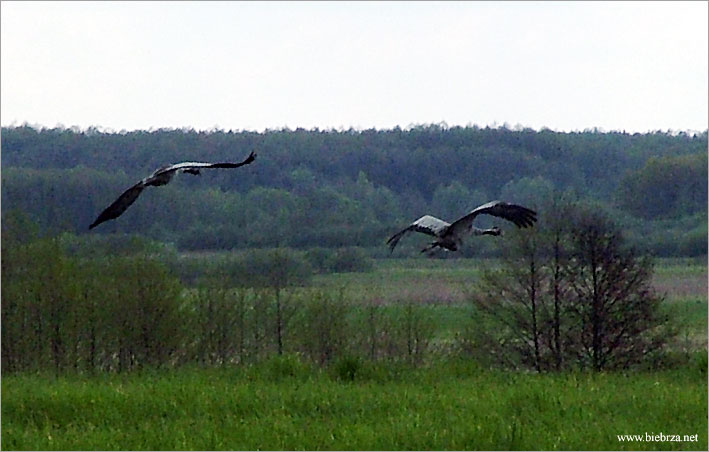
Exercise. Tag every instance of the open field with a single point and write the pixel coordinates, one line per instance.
(445, 285)
(448, 281)
(284, 404)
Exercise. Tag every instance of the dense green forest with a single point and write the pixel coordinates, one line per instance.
(348, 188)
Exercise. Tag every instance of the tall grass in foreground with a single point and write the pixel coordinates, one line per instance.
(284, 403)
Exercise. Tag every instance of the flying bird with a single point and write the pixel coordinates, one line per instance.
(450, 236)
(159, 177)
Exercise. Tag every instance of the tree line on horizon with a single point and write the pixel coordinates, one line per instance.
(337, 189)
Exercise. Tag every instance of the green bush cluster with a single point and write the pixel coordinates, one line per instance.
(327, 260)
(255, 267)
(61, 312)
(69, 312)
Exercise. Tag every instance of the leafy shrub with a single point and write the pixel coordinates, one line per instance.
(280, 367)
(349, 260)
(694, 242)
(340, 260)
(60, 312)
(323, 318)
(319, 258)
(278, 267)
(114, 245)
(346, 368)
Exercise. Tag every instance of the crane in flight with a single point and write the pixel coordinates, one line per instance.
(159, 177)
(450, 236)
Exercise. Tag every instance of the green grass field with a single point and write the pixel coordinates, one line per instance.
(287, 404)
(281, 404)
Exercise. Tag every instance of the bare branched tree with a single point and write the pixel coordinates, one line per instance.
(614, 309)
(569, 293)
(512, 298)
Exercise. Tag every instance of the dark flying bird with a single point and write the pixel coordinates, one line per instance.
(450, 236)
(160, 177)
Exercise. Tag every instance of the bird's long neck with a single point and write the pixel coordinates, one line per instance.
(490, 231)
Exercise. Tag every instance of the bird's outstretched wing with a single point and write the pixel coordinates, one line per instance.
(200, 165)
(119, 205)
(246, 161)
(426, 224)
(159, 177)
(521, 216)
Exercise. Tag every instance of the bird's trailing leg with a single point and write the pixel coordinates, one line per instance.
(430, 248)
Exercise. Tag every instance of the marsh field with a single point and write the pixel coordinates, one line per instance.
(204, 274)
(437, 400)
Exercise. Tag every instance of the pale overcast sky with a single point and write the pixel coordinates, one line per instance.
(251, 66)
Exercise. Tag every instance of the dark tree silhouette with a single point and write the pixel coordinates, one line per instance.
(613, 305)
(570, 293)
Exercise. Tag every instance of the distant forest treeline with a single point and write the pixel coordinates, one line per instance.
(352, 188)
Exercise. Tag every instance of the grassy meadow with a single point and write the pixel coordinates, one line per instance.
(284, 404)
(288, 403)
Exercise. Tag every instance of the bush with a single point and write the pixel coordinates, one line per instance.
(349, 260)
(573, 295)
(694, 242)
(222, 325)
(340, 260)
(89, 246)
(323, 321)
(277, 268)
(346, 368)
(319, 258)
(256, 268)
(60, 312)
(281, 367)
